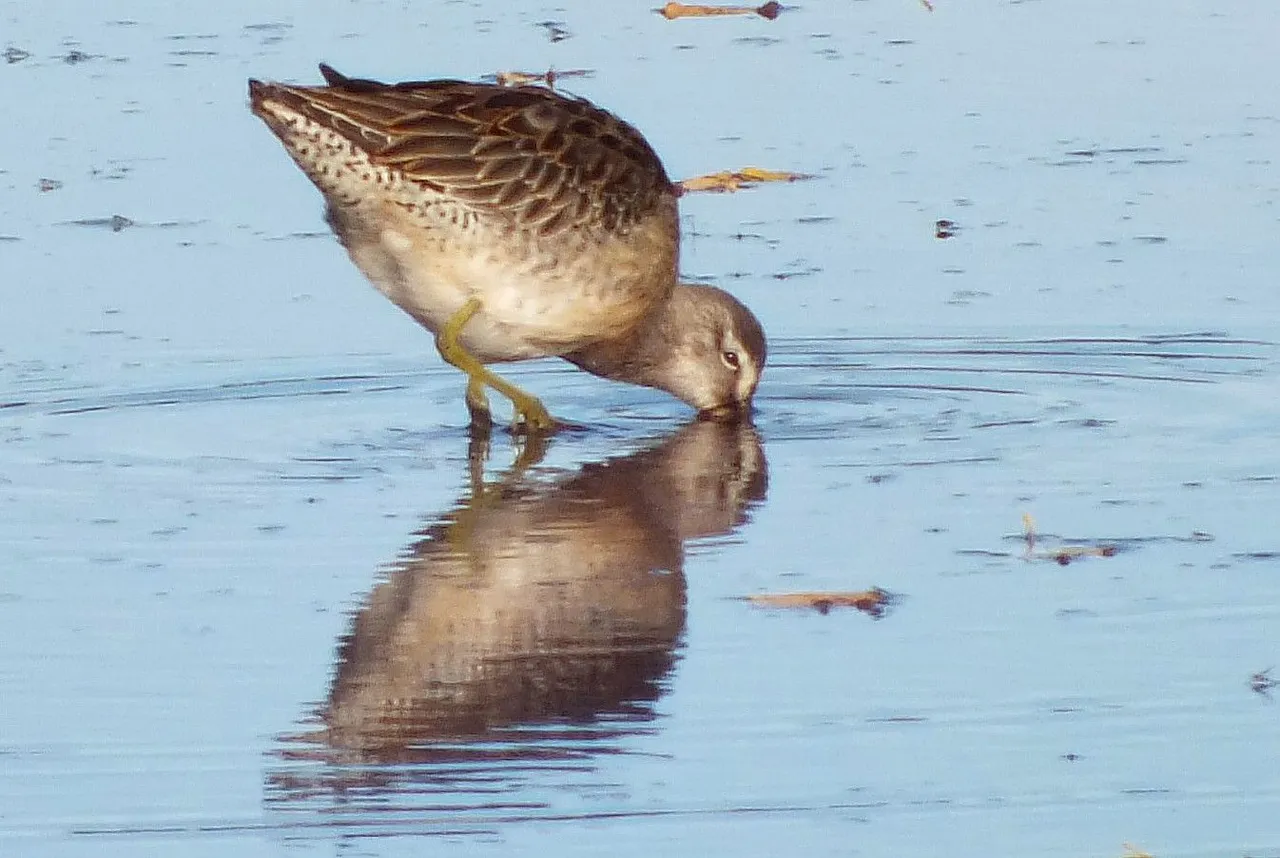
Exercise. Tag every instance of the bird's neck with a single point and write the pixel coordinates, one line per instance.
(636, 357)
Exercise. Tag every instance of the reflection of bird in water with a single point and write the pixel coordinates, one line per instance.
(517, 223)
(538, 602)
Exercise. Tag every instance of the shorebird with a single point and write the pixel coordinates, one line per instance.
(517, 223)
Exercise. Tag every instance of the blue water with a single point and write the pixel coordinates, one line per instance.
(257, 598)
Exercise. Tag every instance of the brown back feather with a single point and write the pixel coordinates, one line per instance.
(546, 160)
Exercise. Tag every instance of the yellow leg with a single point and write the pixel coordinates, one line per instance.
(478, 405)
(528, 409)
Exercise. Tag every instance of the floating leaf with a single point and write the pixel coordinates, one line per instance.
(1062, 554)
(873, 602)
(733, 180)
(547, 78)
(671, 11)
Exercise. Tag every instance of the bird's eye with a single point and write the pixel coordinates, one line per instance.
(731, 360)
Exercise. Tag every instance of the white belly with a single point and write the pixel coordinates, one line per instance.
(532, 304)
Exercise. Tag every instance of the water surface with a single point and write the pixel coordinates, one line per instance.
(259, 595)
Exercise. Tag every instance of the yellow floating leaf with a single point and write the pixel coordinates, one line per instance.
(733, 180)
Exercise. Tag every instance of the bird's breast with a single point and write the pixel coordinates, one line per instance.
(538, 295)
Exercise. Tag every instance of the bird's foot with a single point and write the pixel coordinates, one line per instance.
(531, 416)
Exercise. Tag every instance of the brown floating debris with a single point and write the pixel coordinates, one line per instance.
(547, 78)
(671, 11)
(1062, 554)
(873, 602)
(733, 180)
(1131, 851)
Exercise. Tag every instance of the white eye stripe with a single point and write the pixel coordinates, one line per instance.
(746, 382)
